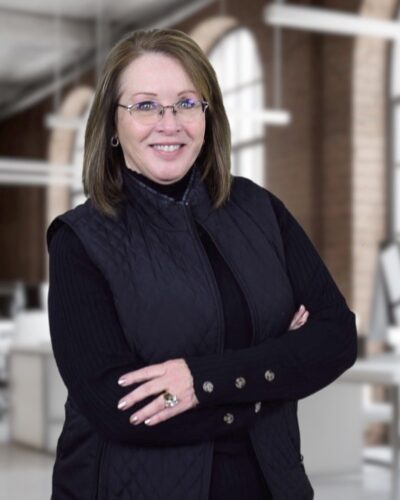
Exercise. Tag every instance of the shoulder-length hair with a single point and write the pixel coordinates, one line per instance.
(102, 176)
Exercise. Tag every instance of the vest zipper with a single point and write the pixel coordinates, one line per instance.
(214, 286)
(99, 468)
(211, 275)
(241, 285)
(244, 288)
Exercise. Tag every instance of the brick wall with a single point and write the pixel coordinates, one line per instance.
(370, 191)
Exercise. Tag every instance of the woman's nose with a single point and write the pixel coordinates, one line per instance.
(169, 120)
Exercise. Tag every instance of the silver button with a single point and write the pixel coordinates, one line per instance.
(228, 418)
(257, 406)
(240, 382)
(208, 386)
(269, 375)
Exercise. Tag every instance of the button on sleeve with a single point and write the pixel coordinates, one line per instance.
(240, 382)
(208, 386)
(228, 418)
(269, 375)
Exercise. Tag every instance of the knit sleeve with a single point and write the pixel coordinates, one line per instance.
(299, 362)
(91, 354)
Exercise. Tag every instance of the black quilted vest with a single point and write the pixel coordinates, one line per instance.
(152, 250)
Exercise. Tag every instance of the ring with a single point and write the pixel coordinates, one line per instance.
(170, 400)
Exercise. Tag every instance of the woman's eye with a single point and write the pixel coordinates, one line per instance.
(186, 104)
(146, 106)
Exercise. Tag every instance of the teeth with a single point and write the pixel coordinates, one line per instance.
(167, 147)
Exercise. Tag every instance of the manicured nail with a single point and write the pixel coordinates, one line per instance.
(122, 381)
(147, 421)
(121, 405)
(133, 419)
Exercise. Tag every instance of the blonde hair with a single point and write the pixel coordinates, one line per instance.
(102, 177)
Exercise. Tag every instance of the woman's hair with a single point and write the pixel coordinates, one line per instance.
(102, 176)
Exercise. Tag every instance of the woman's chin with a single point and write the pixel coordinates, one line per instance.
(168, 174)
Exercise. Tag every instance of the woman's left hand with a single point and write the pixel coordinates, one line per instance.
(173, 376)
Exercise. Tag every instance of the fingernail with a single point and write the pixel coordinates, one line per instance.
(121, 405)
(122, 381)
(147, 421)
(133, 419)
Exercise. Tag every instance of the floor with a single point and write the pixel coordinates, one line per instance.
(372, 485)
(25, 474)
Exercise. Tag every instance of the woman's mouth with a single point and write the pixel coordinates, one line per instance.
(167, 148)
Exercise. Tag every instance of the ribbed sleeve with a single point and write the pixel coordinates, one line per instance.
(92, 353)
(299, 362)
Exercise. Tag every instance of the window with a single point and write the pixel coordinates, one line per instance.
(77, 194)
(236, 62)
(395, 154)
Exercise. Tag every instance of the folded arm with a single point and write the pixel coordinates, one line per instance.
(290, 366)
(298, 363)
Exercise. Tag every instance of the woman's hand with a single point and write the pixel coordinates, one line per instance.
(174, 376)
(300, 318)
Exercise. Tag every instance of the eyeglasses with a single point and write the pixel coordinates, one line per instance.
(151, 112)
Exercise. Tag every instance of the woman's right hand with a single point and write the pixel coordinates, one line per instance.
(300, 318)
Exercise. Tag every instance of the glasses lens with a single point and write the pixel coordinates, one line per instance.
(147, 112)
(188, 109)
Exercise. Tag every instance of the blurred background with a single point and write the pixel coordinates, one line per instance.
(312, 89)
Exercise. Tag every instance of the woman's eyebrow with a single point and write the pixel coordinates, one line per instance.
(153, 94)
(189, 91)
(144, 93)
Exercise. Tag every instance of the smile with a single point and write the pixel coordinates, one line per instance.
(167, 147)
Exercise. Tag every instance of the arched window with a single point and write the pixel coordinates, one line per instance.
(395, 140)
(236, 62)
(77, 194)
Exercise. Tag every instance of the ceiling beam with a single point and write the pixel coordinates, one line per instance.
(322, 20)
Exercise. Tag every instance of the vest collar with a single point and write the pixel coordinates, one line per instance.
(162, 206)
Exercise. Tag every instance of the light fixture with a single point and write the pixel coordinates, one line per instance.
(268, 116)
(55, 121)
(329, 21)
(34, 173)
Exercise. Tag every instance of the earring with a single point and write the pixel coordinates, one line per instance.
(114, 141)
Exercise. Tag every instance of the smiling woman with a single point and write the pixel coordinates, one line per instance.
(188, 309)
(165, 74)
(161, 145)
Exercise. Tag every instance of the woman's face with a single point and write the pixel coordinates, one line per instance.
(157, 77)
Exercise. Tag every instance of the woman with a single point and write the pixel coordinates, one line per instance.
(174, 296)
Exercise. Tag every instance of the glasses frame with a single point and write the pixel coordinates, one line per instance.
(160, 114)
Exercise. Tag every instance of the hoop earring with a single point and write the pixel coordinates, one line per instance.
(114, 141)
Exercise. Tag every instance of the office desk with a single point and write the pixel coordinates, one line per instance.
(383, 369)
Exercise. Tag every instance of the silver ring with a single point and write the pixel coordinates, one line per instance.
(170, 400)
